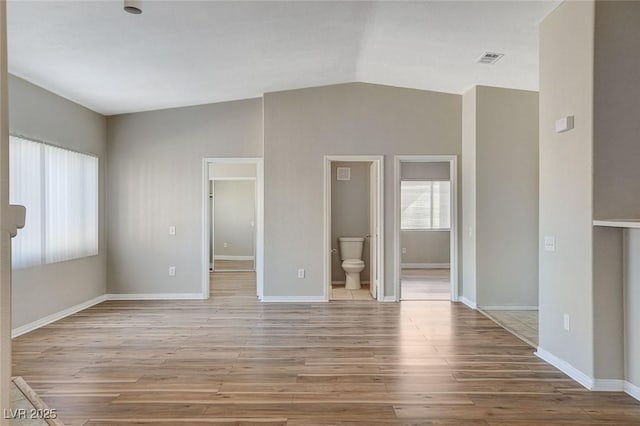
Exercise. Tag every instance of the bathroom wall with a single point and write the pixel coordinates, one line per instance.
(425, 247)
(350, 213)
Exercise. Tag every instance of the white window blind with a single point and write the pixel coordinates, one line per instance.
(59, 188)
(425, 205)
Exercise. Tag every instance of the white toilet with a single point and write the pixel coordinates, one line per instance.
(352, 263)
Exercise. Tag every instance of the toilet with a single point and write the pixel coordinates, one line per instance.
(352, 263)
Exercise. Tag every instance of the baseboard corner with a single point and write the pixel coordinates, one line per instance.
(568, 369)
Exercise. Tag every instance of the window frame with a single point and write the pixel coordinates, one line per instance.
(430, 229)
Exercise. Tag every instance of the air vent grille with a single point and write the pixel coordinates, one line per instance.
(490, 58)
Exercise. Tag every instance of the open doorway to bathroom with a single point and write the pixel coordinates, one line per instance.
(353, 227)
(232, 224)
(425, 234)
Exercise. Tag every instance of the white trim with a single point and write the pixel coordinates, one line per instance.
(155, 296)
(294, 299)
(425, 265)
(19, 331)
(468, 302)
(225, 257)
(508, 308)
(379, 161)
(566, 368)
(206, 218)
(453, 256)
(632, 390)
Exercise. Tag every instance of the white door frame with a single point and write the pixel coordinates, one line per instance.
(212, 219)
(206, 220)
(453, 256)
(379, 161)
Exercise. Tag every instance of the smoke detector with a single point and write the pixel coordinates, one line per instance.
(133, 6)
(490, 58)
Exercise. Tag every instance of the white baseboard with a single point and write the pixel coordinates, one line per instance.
(293, 299)
(568, 369)
(509, 308)
(155, 296)
(425, 265)
(468, 302)
(19, 331)
(225, 257)
(608, 385)
(632, 390)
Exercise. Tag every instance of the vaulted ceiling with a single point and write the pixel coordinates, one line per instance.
(179, 53)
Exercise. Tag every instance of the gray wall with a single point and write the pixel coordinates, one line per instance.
(350, 213)
(155, 180)
(566, 88)
(631, 311)
(356, 119)
(431, 247)
(425, 246)
(507, 197)
(234, 217)
(43, 290)
(616, 183)
(501, 208)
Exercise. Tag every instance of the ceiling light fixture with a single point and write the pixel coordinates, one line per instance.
(133, 6)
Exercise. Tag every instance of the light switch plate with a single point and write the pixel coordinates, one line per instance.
(549, 243)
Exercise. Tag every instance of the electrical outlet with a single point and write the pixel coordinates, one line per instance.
(567, 322)
(172, 271)
(225, 245)
(300, 273)
(172, 230)
(404, 250)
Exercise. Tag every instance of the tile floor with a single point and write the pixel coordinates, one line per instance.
(524, 324)
(338, 292)
(20, 401)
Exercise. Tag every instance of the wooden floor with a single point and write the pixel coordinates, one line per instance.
(233, 265)
(232, 360)
(425, 284)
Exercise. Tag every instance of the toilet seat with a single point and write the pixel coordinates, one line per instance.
(354, 263)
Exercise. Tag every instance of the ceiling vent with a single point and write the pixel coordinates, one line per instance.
(490, 58)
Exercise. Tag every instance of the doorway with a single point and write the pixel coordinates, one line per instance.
(353, 200)
(425, 230)
(233, 223)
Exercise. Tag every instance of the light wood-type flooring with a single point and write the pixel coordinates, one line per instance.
(233, 265)
(233, 360)
(425, 284)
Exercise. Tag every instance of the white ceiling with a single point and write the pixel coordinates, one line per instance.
(181, 53)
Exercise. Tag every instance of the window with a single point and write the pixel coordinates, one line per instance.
(426, 205)
(59, 188)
